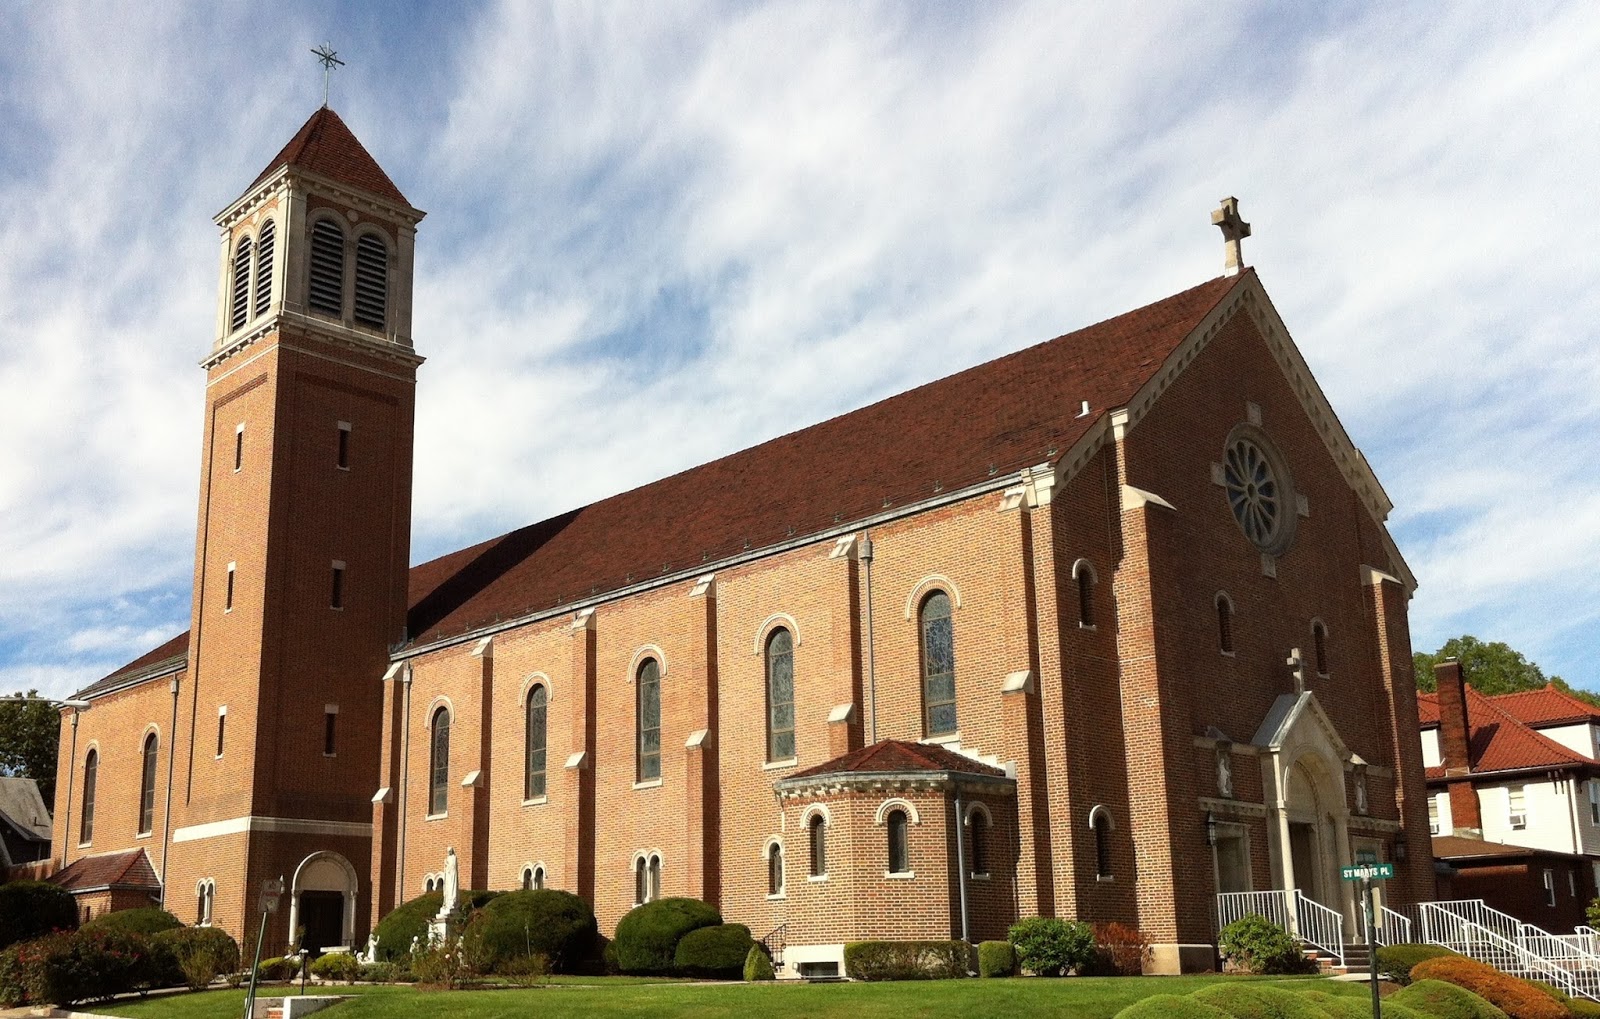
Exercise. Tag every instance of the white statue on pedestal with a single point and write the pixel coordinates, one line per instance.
(452, 883)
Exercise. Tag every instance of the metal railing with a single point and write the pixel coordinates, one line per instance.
(774, 944)
(1473, 911)
(1303, 917)
(1393, 928)
(1588, 938)
(1456, 925)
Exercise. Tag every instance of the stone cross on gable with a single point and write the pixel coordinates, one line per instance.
(1297, 667)
(1234, 231)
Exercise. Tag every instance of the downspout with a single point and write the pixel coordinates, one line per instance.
(1572, 800)
(961, 867)
(72, 773)
(405, 784)
(166, 819)
(872, 672)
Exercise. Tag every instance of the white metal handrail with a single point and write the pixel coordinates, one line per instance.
(1474, 911)
(1393, 928)
(1446, 923)
(1588, 938)
(1303, 917)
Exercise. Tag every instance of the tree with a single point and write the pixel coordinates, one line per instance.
(30, 731)
(1492, 668)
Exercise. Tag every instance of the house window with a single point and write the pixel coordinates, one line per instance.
(648, 717)
(818, 832)
(780, 696)
(1224, 624)
(533, 782)
(91, 766)
(222, 725)
(269, 232)
(899, 842)
(342, 453)
(1594, 801)
(326, 291)
(978, 844)
(372, 281)
(239, 311)
(1319, 644)
(775, 869)
(205, 898)
(227, 598)
(330, 721)
(938, 666)
(1572, 883)
(1433, 815)
(1549, 887)
(1100, 823)
(238, 448)
(336, 594)
(1084, 574)
(1517, 809)
(147, 786)
(439, 763)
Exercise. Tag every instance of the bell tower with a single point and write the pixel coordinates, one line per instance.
(302, 546)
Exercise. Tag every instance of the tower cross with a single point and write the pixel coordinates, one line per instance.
(1234, 231)
(329, 58)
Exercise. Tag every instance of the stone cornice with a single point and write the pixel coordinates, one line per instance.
(333, 333)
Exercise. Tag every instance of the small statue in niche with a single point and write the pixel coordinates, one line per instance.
(1361, 791)
(1225, 772)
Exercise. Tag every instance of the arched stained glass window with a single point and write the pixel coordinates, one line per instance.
(899, 842)
(533, 785)
(439, 763)
(938, 665)
(978, 854)
(780, 696)
(1224, 624)
(640, 888)
(775, 869)
(326, 291)
(655, 878)
(91, 769)
(818, 831)
(147, 785)
(649, 720)
(1101, 823)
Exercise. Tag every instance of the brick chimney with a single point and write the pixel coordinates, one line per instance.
(1454, 731)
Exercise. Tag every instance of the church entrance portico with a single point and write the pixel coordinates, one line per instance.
(322, 902)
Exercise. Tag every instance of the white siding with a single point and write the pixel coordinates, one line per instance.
(1548, 807)
(1442, 804)
(1577, 738)
(1430, 748)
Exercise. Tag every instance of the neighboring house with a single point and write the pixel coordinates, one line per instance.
(24, 823)
(1514, 770)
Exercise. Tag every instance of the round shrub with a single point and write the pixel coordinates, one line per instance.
(647, 938)
(1254, 944)
(337, 966)
(277, 968)
(996, 959)
(518, 925)
(1445, 1001)
(1351, 1006)
(1395, 961)
(409, 921)
(1258, 1001)
(201, 953)
(1583, 1008)
(1517, 998)
(31, 908)
(714, 953)
(758, 965)
(147, 920)
(1171, 1006)
(1050, 947)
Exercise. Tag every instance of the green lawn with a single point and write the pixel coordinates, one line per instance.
(1085, 997)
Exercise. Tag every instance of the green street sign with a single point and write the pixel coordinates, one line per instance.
(1367, 872)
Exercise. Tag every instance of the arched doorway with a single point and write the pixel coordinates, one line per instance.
(323, 902)
(1313, 840)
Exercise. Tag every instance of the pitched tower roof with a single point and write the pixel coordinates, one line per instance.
(325, 146)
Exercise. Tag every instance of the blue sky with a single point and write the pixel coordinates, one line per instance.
(658, 233)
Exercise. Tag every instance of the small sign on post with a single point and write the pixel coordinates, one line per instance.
(271, 892)
(1367, 872)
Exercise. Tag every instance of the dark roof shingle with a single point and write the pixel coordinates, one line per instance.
(129, 868)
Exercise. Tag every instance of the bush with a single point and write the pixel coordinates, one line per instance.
(1171, 1006)
(1444, 1001)
(72, 966)
(379, 973)
(1254, 944)
(528, 970)
(1583, 1008)
(31, 908)
(996, 959)
(1259, 1001)
(758, 965)
(1592, 914)
(1349, 1006)
(277, 969)
(556, 925)
(1395, 961)
(714, 953)
(906, 960)
(148, 920)
(439, 967)
(1517, 998)
(647, 938)
(1120, 950)
(337, 966)
(201, 953)
(1050, 947)
(409, 921)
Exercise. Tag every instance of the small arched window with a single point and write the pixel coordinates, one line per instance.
(1084, 574)
(780, 696)
(372, 281)
(91, 767)
(147, 785)
(527, 878)
(938, 665)
(533, 785)
(239, 305)
(439, 763)
(648, 716)
(818, 832)
(326, 291)
(1224, 624)
(899, 842)
(1100, 824)
(655, 878)
(978, 842)
(641, 887)
(538, 878)
(775, 869)
(1319, 646)
(269, 234)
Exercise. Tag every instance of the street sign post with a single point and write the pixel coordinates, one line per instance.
(271, 892)
(1367, 873)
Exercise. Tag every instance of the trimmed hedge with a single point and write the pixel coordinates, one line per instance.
(647, 938)
(31, 908)
(996, 959)
(336, 966)
(1349, 1006)
(758, 965)
(1396, 961)
(1051, 947)
(906, 960)
(1517, 998)
(714, 953)
(277, 968)
(1254, 944)
(410, 920)
(201, 954)
(1583, 1008)
(1255, 1001)
(1445, 1001)
(147, 920)
(517, 925)
(1171, 1006)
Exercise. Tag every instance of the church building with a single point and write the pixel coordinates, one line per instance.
(1101, 629)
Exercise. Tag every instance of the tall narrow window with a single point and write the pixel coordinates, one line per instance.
(1319, 644)
(775, 869)
(527, 879)
(336, 596)
(330, 723)
(147, 786)
(342, 451)
(1101, 823)
(1433, 815)
(538, 878)
(533, 784)
(264, 253)
(649, 720)
(899, 839)
(1549, 887)
(938, 666)
(978, 854)
(1594, 801)
(227, 598)
(239, 307)
(818, 830)
(655, 878)
(222, 725)
(238, 447)
(641, 890)
(780, 696)
(1224, 624)
(91, 766)
(1084, 573)
(439, 764)
(372, 281)
(326, 292)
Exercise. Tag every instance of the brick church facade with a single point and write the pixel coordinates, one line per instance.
(1014, 642)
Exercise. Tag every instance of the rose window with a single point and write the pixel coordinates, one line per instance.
(1254, 492)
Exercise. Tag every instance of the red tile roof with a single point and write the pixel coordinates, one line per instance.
(1499, 741)
(324, 145)
(1428, 708)
(127, 869)
(1548, 706)
(892, 756)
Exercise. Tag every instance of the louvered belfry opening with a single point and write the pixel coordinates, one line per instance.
(264, 267)
(240, 307)
(327, 268)
(372, 281)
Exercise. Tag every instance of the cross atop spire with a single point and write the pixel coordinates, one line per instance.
(329, 58)
(1234, 231)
